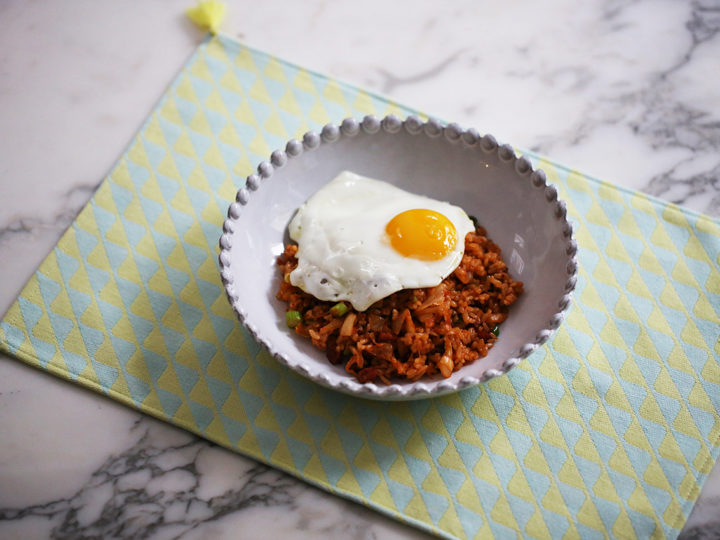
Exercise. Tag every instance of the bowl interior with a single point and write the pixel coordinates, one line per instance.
(516, 214)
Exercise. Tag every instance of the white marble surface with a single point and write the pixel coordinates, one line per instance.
(626, 90)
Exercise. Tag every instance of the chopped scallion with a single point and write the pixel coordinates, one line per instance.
(293, 318)
(339, 309)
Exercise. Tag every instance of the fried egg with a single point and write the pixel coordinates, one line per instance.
(360, 240)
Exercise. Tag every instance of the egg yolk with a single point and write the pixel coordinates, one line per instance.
(422, 234)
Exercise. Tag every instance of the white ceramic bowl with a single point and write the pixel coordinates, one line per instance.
(519, 210)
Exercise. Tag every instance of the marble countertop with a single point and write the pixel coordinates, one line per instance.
(623, 90)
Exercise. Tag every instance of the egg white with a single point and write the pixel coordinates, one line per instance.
(344, 252)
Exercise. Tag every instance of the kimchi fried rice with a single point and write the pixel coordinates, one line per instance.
(412, 333)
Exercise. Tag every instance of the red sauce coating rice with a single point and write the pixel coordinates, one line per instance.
(413, 333)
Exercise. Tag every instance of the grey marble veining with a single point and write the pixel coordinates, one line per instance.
(163, 483)
(30, 223)
(624, 90)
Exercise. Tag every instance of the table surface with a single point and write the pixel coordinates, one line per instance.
(625, 91)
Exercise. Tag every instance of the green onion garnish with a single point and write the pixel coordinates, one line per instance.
(339, 309)
(293, 318)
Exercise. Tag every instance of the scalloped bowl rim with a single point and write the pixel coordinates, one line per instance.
(391, 124)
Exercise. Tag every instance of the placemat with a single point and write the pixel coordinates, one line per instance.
(608, 430)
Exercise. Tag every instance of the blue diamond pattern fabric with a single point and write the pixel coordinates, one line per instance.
(609, 430)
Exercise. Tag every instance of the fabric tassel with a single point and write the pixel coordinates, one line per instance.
(208, 15)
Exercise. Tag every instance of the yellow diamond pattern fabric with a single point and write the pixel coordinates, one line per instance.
(609, 430)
